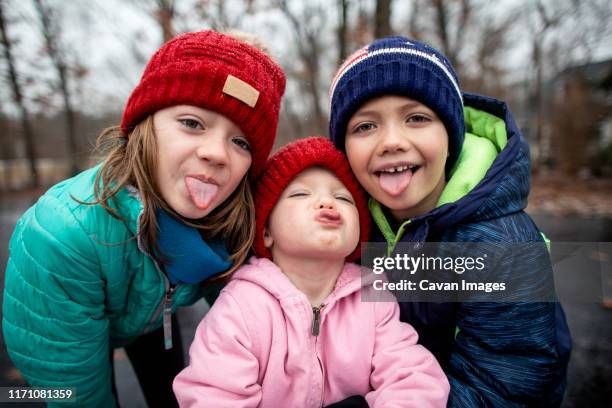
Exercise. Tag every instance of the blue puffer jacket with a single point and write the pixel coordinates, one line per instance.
(495, 354)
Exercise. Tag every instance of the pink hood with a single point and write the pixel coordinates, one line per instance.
(256, 348)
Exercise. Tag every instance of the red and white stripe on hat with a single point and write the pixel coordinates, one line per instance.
(364, 54)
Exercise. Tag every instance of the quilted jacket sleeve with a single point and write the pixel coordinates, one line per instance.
(506, 353)
(404, 373)
(222, 371)
(54, 324)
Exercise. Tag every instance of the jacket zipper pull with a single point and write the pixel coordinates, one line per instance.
(316, 321)
(168, 318)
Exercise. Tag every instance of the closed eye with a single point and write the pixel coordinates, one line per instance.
(345, 198)
(298, 194)
(192, 124)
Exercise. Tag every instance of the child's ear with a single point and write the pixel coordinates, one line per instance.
(268, 241)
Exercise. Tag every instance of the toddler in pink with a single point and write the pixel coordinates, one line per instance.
(290, 329)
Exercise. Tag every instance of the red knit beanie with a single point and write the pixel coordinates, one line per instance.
(219, 73)
(287, 164)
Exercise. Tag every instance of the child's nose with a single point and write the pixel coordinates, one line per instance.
(213, 150)
(326, 203)
(392, 140)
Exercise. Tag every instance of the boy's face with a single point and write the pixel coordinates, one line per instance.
(202, 157)
(397, 148)
(315, 217)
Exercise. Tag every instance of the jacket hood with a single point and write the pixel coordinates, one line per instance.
(490, 179)
(266, 274)
(498, 180)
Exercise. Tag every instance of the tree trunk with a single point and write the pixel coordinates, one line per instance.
(382, 26)
(6, 146)
(294, 120)
(165, 15)
(342, 31)
(414, 26)
(308, 50)
(538, 99)
(442, 23)
(18, 97)
(312, 62)
(459, 36)
(51, 43)
(70, 122)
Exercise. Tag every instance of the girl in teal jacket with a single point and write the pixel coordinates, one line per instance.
(104, 258)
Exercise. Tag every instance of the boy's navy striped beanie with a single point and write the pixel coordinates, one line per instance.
(398, 66)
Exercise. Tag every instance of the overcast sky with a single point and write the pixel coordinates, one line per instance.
(100, 35)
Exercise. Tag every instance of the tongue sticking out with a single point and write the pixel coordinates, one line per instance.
(201, 193)
(395, 183)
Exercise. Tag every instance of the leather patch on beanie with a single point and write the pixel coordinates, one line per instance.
(241, 90)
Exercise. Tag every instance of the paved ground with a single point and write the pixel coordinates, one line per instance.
(590, 373)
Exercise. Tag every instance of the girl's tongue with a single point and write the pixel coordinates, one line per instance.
(201, 193)
(395, 183)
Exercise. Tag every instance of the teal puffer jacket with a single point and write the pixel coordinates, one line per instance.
(77, 285)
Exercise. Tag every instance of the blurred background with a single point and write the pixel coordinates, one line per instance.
(68, 67)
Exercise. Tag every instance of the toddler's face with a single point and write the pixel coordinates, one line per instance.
(397, 148)
(315, 217)
(202, 157)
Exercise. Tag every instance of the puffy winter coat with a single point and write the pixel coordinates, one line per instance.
(495, 354)
(263, 345)
(77, 285)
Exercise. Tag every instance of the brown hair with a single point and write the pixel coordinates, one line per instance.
(133, 161)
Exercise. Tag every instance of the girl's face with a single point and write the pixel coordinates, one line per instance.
(397, 148)
(202, 157)
(315, 217)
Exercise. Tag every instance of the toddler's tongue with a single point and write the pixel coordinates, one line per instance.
(201, 193)
(395, 183)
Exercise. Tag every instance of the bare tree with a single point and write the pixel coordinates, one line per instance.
(382, 19)
(445, 24)
(442, 26)
(217, 15)
(342, 30)
(413, 24)
(307, 33)
(492, 41)
(363, 33)
(50, 32)
(6, 147)
(293, 119)
(557, 44)
(164, 14)
(451, 35)
(18, 96)
(548, 18)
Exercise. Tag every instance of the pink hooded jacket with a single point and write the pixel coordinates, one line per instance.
(256, 348)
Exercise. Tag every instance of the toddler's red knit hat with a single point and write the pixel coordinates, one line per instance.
(287, 164)
(219, 73)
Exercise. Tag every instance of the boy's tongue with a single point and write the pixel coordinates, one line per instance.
(201, 193)
(395, 183)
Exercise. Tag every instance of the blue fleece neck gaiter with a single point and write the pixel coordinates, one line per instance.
(191, 259)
